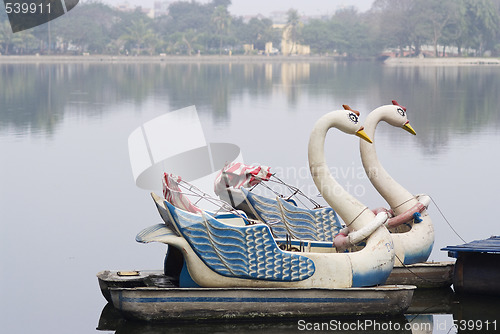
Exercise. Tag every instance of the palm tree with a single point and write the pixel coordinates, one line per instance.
(184, 40)
(292, 27)
(222, 20)
(141, 36)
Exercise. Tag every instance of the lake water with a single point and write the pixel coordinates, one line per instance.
(70, 208)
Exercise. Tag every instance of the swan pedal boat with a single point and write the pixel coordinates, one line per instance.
(209, 277)
(412, 247)
(283, 217)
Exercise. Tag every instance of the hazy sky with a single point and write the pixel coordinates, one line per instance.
(244, 7)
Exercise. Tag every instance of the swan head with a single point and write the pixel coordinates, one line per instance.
(395, 115)
(350, 123)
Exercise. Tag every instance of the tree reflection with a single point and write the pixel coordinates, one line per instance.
(440, 100)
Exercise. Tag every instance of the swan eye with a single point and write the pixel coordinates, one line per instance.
(353, 117)
(401, 112)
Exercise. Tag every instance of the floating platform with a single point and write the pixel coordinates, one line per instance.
(477, 267)
(424, 275)
(130, 279)
(197, 304)
(154, 298)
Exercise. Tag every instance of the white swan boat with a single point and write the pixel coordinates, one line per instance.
(266, 283)
(221, 266)
(414, 242)
(410, 223)
(220, 255)
(313, 228)
(414, 245)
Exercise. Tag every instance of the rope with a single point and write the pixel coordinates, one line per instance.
(294, 191)
(437, 207)
(200, 195)
(366, 208)
(410, 199)
(414, 273)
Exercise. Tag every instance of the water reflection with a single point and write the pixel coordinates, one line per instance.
(476, 314)
(111, 320)
(432, 301)
(447, 100)
(432, 311)
(442, 101)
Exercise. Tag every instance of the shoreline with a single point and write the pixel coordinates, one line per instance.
(169, 59)
(4, 59)
(445, 61)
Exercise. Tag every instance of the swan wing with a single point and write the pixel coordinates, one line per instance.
(162, 210)
(240, 251)
(318, 224)
(266, 210)
(158, 233)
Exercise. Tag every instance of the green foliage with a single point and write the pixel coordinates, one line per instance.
(191, 27)
(345, 33)
(86, 28)
(140, 37)
(471, 24)
(221, 20)
(185, 16)
(257, 32)
(482, 24)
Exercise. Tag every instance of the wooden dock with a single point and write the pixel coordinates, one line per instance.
(477, 268)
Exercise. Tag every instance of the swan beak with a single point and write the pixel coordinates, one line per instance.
(408, 128)
(362, 134)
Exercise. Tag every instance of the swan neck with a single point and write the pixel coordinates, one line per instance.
(346, 206)
(398, 198)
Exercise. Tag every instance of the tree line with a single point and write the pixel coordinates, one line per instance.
(471, 27)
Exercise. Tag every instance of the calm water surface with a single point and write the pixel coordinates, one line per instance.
(70, 208)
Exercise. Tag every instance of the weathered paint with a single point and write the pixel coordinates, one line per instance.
(490, 245)
(185, 279)
(424, 274)
(415, 255)
(164, 305)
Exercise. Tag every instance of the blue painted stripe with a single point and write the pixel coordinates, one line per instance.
(247, 300)
(370, 278)
(120, 300)
(420, 256)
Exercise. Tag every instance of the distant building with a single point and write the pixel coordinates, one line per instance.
(290, 47)
(247, 18)
(269, 50)
(248, 48)
(161, 7)
(279, 17)
(126, 7)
